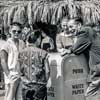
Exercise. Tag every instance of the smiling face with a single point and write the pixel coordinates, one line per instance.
(64, 25)
(15, 31)
(26, 30)
(73, 26)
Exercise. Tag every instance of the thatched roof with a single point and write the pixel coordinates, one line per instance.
(49, 12)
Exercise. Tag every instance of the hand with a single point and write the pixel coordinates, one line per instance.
(13, 75)
(97, 82)
(14, 81)
(14, 78)
(67, 51)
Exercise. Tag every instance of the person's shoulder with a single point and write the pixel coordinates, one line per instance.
(5, 45)
(85, 31)
(42, 53)
(86, 28)
(9, 40)
(2, 42)
(89, 30)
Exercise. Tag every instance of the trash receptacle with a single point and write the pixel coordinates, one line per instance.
(75, 73)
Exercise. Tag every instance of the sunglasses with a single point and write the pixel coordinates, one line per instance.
(16, 31)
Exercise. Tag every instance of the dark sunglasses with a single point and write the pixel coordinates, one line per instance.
(18, 31)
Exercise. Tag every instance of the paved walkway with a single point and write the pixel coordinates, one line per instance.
(2, 94)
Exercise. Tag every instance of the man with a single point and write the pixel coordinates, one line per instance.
(35, 69)
(9, 61)
(88, 42)
(64, 40)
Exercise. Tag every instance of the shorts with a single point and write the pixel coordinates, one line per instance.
(34, 91)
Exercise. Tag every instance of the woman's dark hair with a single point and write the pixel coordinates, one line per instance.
(27, 25)
(16, 24)
(33, 36)
(78, 20)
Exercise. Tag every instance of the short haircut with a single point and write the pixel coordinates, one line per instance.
(34, 36)
(16, 24)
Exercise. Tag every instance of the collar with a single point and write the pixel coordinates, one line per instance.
(31, 45)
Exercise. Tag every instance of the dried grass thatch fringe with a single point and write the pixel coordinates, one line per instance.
(52, 13)
(11, 13)
(5, 19)
(29, 12)
(20, 15)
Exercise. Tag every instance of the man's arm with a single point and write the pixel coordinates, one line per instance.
(4, 61)
(82, 43)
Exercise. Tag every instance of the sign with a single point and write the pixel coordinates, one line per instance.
(75, 73)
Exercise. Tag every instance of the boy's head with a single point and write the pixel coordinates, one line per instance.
(26, 28)
(15, 30)
(74, 25)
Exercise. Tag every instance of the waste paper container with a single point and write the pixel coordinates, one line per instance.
(75, 73)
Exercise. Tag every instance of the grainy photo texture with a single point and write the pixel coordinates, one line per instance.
(49, 50)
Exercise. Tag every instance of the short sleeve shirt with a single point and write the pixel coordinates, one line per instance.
(63, 41)
(13, 52)
(32, 64)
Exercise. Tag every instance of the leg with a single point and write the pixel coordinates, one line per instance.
(18, 95)
(11, 89)
(7, 86)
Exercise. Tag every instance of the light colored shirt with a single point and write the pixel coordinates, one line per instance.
(64, 41)
(13, 52)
